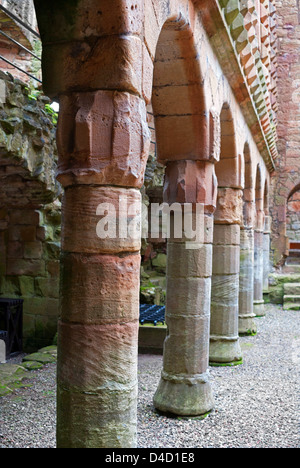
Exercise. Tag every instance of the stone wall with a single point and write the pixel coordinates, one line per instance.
(287, 176)
(29, 209)
(293, 217)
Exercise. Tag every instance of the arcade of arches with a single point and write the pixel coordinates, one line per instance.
(208, 69)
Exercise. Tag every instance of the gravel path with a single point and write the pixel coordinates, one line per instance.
(257, 404)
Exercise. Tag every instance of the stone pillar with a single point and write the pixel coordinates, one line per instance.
(224, 333)
(184, 388)
(259, 265)
(266, 256)
(247, 325)
(103, 142)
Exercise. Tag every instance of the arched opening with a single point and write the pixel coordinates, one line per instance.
(293, 225)
(227, 169)
(178, 97)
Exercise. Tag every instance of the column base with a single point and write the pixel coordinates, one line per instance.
(184, 395)
(225, 351)
(247, 325)
(259, 308)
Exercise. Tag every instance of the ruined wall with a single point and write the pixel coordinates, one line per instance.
(29, 209)
(287, 176)
(293, 217)
(25, 11)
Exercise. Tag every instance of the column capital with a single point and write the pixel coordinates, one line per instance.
(103, 139)
(191, 182)
(229, 206)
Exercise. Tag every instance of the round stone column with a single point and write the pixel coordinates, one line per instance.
(224, 331)
(247, 325)
(184, 387)
(103, 144)
(266, 249)
(259, 267)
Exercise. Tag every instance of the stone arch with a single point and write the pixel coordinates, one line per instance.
(227, 169)
(231, 166)
(293, 216)
(178, 99)
(293, 191)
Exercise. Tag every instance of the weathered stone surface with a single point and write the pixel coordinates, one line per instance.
(189, 263)
(103, 138)
(247, 325)
(43, 358)
(258, 273)
(106, 386)
(184, 388)
(229, 206)
(119, 207)
(224, 340)
(191, 182)
(22, 121)
(78, 428)
(2, 352)
(99, 289)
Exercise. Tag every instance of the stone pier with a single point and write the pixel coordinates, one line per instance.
(266, 250)
(247, 325)
(184, 388)
(224, 332)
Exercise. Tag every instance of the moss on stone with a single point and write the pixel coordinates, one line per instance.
(32, 365)
(44, 358)
(226, 364)
(249, 333)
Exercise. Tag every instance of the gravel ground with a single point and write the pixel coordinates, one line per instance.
(256, 404)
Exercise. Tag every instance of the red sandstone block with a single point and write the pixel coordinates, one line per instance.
(229, 173)
(229, 206)
(22, 233)
(177, 100)
(25, 217)
(41, 307)
(84, 207)
(33, 250)
(100, 289)
(100, 354)
(191, 182)
(103, 138)
(14, 250)
(112, 63)
(20, 267)
(89, 19)
(182, 137)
